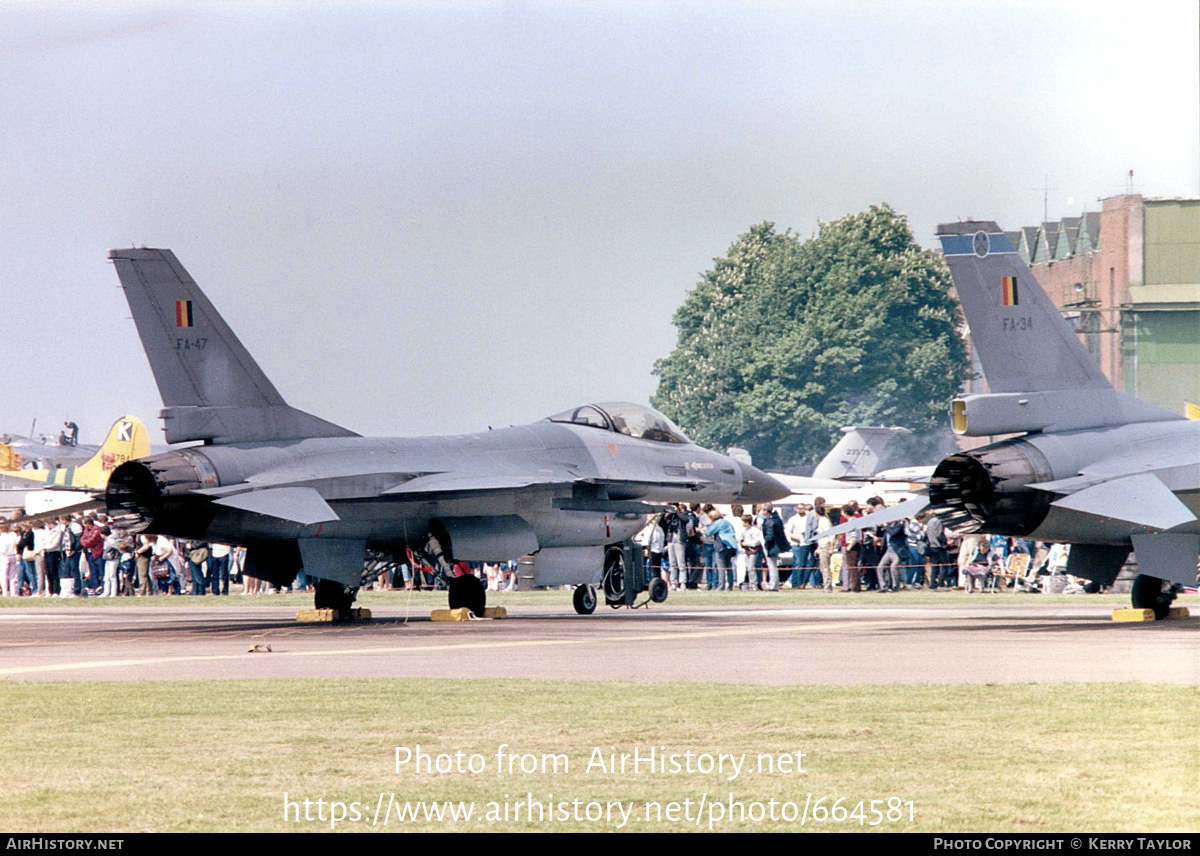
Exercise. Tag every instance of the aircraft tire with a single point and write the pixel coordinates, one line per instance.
(585, 600)
(330, 594)
(1148, 593)
(467, 592)
(659, 590)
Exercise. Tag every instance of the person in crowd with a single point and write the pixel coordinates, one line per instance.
(694, 546)
(978, 564)
(142, 554)
(91, 544)
(824, 545)
(218, 569)
(73, 555)
(851, 550)
(25, 548)
(914, 543)
(10, 564)
(774, 543)
(940, 569)
(677, 535)
(197, 553)
(741, 565)
(801, 548)
(724, 544)
(111, 554)
(169, 568)
(53, 554)
(895, 546)
(871, 547)
(751, 541)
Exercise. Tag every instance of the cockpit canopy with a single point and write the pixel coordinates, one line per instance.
(623, 417)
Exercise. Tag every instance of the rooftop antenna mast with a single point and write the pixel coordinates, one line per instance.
(1045, 188)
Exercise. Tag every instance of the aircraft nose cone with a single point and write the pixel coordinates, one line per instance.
(757, 486)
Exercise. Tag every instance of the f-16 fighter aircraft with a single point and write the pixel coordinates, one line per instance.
(1095, 468)
(298, 491)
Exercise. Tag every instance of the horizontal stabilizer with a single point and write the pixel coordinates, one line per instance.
(224, 425)
(302, 505)
(1141, 499)
(899, 511)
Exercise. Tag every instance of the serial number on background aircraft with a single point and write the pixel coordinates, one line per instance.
(190, 344)
(1013, 324)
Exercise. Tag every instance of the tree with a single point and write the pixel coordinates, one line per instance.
(784, 341)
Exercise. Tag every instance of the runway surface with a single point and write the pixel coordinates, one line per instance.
(801, 645)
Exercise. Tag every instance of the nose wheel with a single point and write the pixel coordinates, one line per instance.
(585, 599)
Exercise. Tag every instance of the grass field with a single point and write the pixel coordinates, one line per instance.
(218, 756)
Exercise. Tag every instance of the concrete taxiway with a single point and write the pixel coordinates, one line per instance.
(797, 645)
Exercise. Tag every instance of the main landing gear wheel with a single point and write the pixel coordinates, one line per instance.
(659, 589)
(330, 594)
(585, 600)
(467, 592)
(1148, 593)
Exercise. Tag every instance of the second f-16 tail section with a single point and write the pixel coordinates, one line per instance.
(1040, 376)
(858, 454)
(212, 389)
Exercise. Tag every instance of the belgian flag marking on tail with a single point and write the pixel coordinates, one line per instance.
(183, 313)
(1008, 290)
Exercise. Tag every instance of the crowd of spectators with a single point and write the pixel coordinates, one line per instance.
(700, 547)
(691, 547)
(88, 555)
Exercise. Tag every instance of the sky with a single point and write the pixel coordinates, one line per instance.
(429, 218)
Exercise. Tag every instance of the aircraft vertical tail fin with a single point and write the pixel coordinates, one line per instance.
(127, 440)
(212, 389)
(1039, 375)
(858, 454)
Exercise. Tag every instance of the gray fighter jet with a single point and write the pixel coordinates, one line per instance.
(298, 491)
(1095, 468)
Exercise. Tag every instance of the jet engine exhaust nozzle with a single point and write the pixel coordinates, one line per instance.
(985, 490)
(154, 494)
